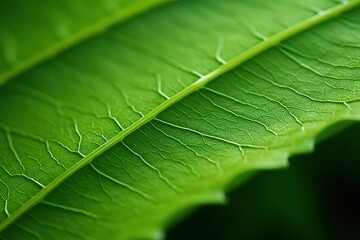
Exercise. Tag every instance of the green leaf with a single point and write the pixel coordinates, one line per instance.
(315, 198)
(35, 30)
(115, 136)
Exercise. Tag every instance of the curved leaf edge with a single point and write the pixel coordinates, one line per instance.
(183, 207)
(83, 35)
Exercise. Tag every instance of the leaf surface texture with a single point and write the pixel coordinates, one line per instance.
(32, 31)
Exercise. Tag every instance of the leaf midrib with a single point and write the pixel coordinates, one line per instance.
(79, 37)
(201, 82)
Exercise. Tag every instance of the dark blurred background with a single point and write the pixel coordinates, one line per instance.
(317, 197)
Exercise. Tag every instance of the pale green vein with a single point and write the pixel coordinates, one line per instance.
(201, 82)
(72, 209)
(80, 36)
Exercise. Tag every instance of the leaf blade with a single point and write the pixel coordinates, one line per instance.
(17, 57)
(166, 181)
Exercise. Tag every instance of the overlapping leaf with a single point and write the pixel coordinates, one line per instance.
(32, 31)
